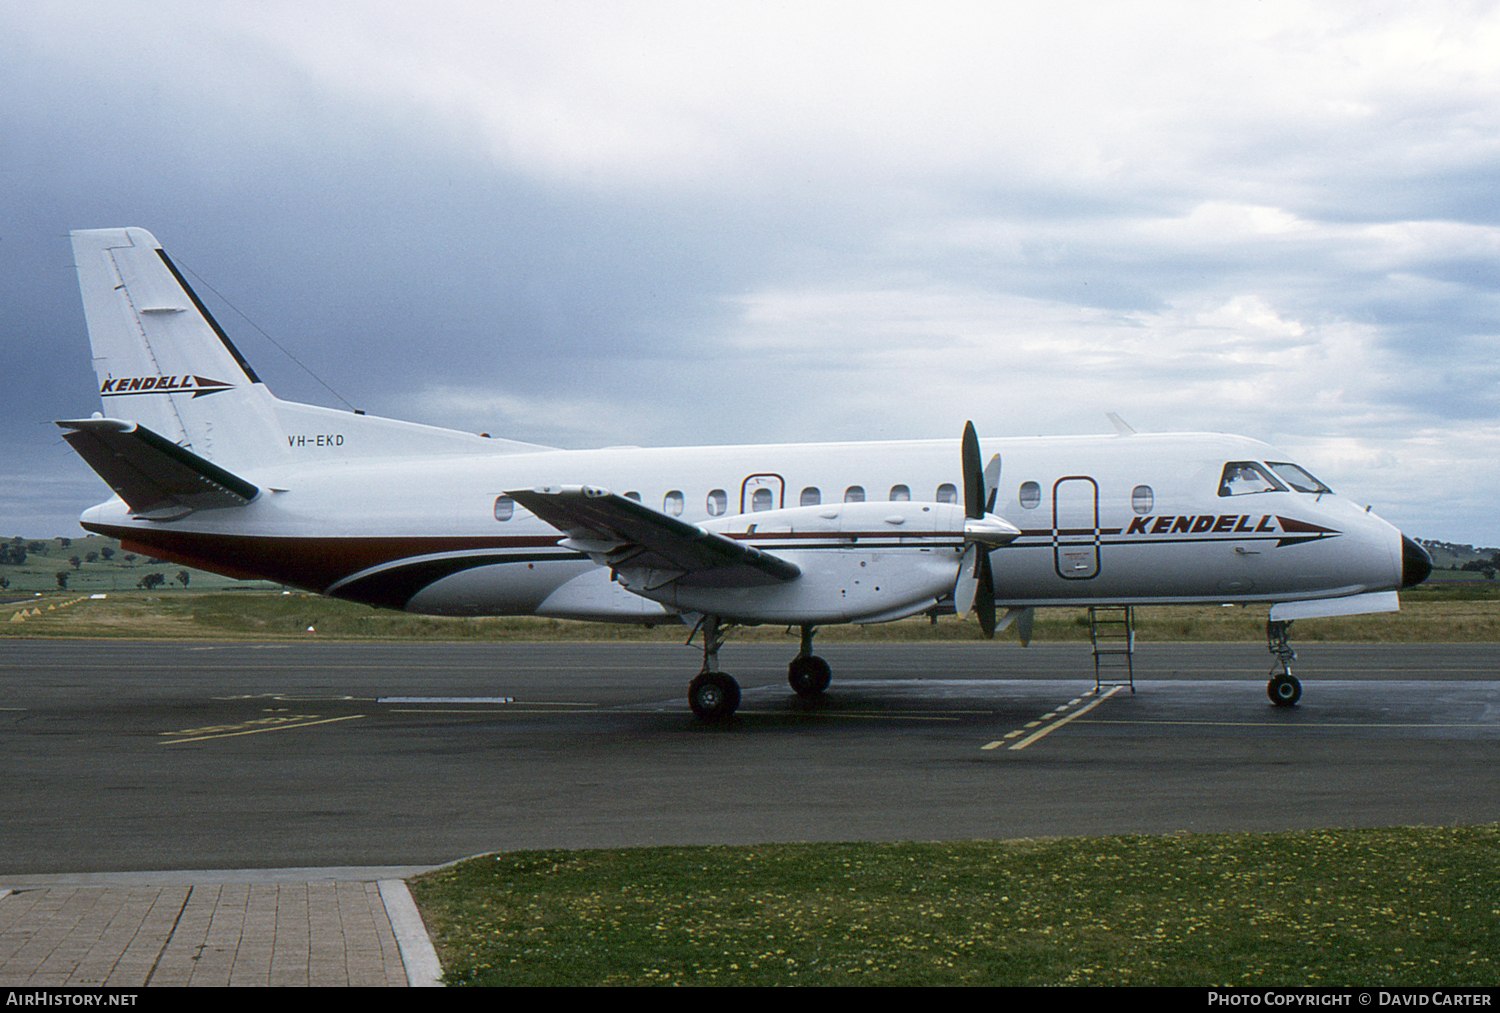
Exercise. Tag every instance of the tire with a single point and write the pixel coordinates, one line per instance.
(713, 696)
(1284, 690)
(809, 676)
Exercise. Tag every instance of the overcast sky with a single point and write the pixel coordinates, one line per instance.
(584, 224)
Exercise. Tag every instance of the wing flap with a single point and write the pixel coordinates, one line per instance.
(156, 478)
(646, 546)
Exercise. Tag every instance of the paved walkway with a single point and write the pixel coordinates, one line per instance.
(259, 927)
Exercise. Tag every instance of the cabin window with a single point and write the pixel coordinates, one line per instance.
(1242, 478)
(1031, 495)
(672, 503)
(505, 508)
(1142, 499)
(900, 494)
(633, 495)
(810, 496)
(947, 493)
(1297, 478)
(717, 503)
(854, 494)
(761, 499)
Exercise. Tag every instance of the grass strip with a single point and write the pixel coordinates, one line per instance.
(1437, 614)
(1398, 907)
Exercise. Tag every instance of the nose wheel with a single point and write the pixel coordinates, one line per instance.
(1284, 690)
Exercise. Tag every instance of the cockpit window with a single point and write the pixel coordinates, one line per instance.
(1244, 477)
(1296, 477)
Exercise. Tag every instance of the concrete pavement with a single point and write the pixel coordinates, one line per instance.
(258, 927)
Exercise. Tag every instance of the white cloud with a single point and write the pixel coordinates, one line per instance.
(1272, 217)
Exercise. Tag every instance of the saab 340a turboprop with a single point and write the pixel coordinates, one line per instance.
(211, 470)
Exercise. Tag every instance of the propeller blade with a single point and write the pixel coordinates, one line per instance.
(984, 595)
(966, 587)
(974, 590)
(1022, 617)
(973, 474)
(981, 480)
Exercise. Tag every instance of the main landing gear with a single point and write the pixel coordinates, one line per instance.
(1283, 689)
(808, 674)
(714, 695)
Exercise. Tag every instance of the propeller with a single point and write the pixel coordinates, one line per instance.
(975, 587)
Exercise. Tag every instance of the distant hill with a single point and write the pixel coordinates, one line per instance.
(1455, 555)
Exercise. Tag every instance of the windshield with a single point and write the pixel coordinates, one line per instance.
(1297, 477)
(1244, 477)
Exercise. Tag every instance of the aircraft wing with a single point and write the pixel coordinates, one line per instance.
(648, 548)
(157, 479)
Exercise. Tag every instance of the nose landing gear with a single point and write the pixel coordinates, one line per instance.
(1283, 689)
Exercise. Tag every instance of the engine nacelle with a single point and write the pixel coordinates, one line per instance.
(860, 563)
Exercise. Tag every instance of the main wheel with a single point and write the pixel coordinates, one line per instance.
(713, 696)
(1284, 690)
(809, 675)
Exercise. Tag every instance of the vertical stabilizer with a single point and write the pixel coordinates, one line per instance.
(164, 363)
(161, 359)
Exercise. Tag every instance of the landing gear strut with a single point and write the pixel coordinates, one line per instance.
(713, 695)
(1283, 689)
(808, 674)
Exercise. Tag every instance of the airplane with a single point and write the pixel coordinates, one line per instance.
(211, 470)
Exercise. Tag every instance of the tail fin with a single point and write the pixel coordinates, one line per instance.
(160, 357)
(165, 363)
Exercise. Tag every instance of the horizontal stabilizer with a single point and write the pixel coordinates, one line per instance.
(159, 480)
(647, 547)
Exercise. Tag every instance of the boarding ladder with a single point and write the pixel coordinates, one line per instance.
(1112, 631)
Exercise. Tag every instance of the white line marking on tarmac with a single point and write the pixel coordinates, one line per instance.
(445, 699)
(1029, 739)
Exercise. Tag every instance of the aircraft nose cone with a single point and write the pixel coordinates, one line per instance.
(1416, 564)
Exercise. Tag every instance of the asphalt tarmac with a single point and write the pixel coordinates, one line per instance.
(148, 755)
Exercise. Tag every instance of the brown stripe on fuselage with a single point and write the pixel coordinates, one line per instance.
(310, 563)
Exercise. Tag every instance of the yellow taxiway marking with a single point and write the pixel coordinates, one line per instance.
(276, 724)
(1054, 726)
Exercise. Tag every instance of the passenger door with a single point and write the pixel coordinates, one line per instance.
(762, 492)
(1075, 527)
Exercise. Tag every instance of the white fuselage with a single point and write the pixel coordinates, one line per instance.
(1124, 519)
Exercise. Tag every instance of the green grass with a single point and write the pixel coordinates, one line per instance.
(1412, 906)
(1433, 614)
